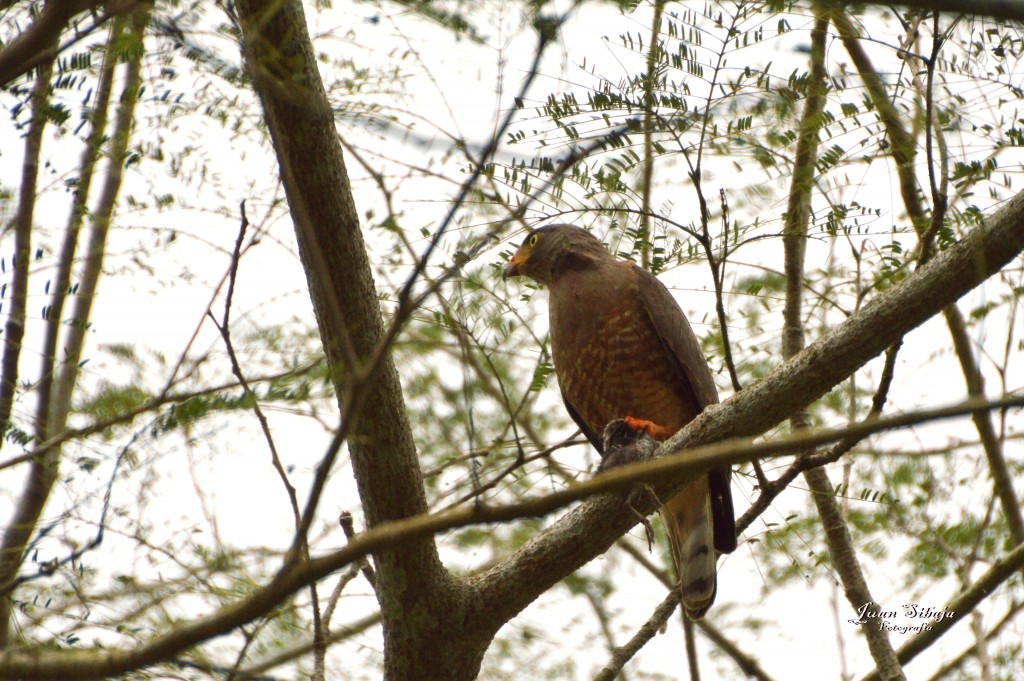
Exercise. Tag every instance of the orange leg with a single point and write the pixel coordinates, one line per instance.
(657, 432)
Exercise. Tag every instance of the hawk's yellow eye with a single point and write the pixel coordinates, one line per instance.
(533, 240)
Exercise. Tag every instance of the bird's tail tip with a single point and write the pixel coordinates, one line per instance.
(696, 601)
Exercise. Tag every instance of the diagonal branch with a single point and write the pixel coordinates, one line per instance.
(38, 42)
(1002, 480)
(589, 530)
(645, 633)
(575, 536)
(39, 39)
(957, 662)
(1006, 568)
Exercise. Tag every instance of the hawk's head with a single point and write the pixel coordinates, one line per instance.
(548, 251)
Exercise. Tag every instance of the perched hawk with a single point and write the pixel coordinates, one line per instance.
(622, 349)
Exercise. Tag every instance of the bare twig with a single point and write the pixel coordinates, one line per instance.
(249, 635)
(692, 662)
(224, 327)
(747, 664)
(645, 633)
(718, 278)
(332, 603)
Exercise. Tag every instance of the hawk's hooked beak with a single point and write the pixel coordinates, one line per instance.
(512, 268)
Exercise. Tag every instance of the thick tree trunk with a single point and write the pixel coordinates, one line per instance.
(423, 607)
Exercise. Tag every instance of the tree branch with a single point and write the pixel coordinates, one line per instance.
(590, 529)
(1006, 568)
(26, 514)
(645, 633)
(958, 661)
(999, 9)
(654, 51)
(805, 463)
(844, 560)
(14, 329)
(798, 209)
(1002, 480)
(587, 530)
(901, 142)
(44, 470)
(414, 586)
(580, 540)
(38, 43)
(79, 208)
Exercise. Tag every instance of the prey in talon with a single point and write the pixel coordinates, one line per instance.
(625, 441)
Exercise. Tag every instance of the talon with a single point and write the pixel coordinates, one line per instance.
(632, 499)
(648, 528)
